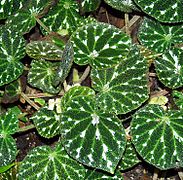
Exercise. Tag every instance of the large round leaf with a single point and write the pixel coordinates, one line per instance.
(92, 136)
(25, 19)
(12, 49)
(158, 136)
(100, 45)
(50, 164)
(169, 68)
(160, 37)
(8, 126)
(42, 75)
(165, 11)
(123, 87)
(123, 5)
(63, 17)
(43, 49)
(46, 122)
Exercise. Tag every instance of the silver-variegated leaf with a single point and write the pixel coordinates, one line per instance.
(160, 37)
(169, 68)
(165, 11)
(8, 126)
(100, 45)
(158, 136)
(124, 87)
(12, 50)
(89, 5)
(63, 17)
(92, 136)
(43, 49)
(50, 164)
(42, 75)
(47, 122)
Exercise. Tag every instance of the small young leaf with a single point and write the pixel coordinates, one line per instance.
(123, 5)
(159, 37)
(42, 75)
(64, 16)
(98, 175)
(12, 49)
(45, 163)
(129, 158)
(123, 87)
(46, 122)
(43, 49)
(8, 126)
(165, 11)
(25, 19)
(169, 68)
(89, 5)
(92, 136)
(158, 136)
(100, 45)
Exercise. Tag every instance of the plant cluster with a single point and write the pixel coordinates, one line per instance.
(93, 143)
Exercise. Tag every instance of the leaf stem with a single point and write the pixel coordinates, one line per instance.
(42, 25)
(24, 96)
(84, 76)
(26, 128)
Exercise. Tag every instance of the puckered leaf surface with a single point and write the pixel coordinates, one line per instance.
(158, 136)
(100, 45)
(123, 87)
(92, 136)
(50, 164)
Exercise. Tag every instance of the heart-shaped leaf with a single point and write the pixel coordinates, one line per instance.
(12, 50)
(100, 45)
(164, 11)
(92, 136)
(160, 37)
(97, 175)
(43, 49)
(123, 87)
(63, 17)
(123, 5)
(8, 126)
(89, 5)
(129, 158)
(169, 68)
(158, 136)
(42, 75)
(9, 7)
(65, 64)
(46, 122)
(25, 19)
(49, 164)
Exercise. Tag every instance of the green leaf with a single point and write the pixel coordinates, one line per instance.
(123, 87)
(49, 164)
(25, 19)
(5, 168)
(158, 136)
(8, 126)
(11, 174)
(65, 64)
(89, 5)
(98, 175)
(164, 11)
(100, 45)
(123, 5)
(92, 136)
(129, 158)
(12, 50)
(9, 7)
(159, 37)
(42, 75)
(178, 98)
(64, 16)
(169, 68)
(47, 122)
(43, 49)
